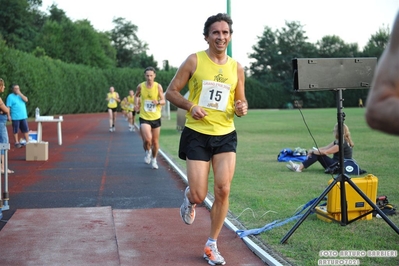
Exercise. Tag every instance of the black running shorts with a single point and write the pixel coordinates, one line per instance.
(201, 147)
(152, 123)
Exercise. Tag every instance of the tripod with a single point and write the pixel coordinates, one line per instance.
(341, 178)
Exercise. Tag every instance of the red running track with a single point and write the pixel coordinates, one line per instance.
(95, 202)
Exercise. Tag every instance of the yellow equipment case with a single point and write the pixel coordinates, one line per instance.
(356, 205)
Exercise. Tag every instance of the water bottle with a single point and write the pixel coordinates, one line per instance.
(37, 114)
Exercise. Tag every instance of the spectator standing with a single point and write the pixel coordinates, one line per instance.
(16, 101)
(4, 117)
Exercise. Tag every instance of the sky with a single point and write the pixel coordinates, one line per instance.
(173, 28)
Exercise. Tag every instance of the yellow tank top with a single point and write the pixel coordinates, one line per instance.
(148, 110)
(130, 103)
(112, 103)
(212, 87)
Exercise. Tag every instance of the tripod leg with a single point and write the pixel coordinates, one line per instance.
(306, 214)
(372, 204)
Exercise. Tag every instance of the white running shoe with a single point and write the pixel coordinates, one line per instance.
(110, 129)
(212, 255)
(147, 158)
(154, 164)
(187, 209)
(293, 167)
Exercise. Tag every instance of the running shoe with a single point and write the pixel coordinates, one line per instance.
(187, 209)
(154, 164)
(147, 158)
(212, 255)
(293, 166)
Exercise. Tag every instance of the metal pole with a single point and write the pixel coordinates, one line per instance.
(229, 47)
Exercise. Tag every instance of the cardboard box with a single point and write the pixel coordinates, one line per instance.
(37, 151)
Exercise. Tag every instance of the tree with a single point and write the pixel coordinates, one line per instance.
(75, 42)
(130, 50)
(377, 43)
(334, 46)
(275, 50)
(273, 56)
(20, 21)
(264, 54)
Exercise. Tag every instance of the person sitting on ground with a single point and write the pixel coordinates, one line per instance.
(321, 154)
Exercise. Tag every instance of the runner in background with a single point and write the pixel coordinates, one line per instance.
(112, 99)
(150, 96)
(124, 108)
(130, 111)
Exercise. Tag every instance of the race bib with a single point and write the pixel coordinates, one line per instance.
(214, 95)
(112, 100)
(149, 106)
(131, 106)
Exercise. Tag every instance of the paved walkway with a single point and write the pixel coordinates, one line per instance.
(95, 202)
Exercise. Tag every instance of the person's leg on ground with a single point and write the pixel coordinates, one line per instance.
(25, 130)
(3, 139)
(223, 165)
(125, 114)
(146, 135)
(2, 161)
(15, 128)
(325, 161)
(110, 119)
(155, 146)
(2, 164)
(134, 119)
(298, 167)
(197, 189)
(130, 120)
(113, 119)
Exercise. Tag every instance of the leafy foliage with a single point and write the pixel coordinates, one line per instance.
(20, 21)
(130, 50)
(272, 66)
(25, 28)
(74, 42)
(377, 43)
(60, 88)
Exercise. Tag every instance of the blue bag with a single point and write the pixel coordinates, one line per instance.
(297, 155)
(350, 165)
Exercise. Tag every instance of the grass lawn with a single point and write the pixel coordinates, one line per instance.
(264, 190)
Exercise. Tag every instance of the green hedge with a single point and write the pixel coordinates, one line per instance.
(60, 88)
